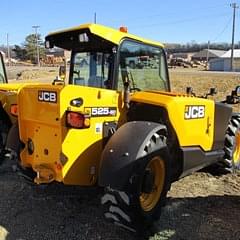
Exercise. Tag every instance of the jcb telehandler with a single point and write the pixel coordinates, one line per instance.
(121, 127)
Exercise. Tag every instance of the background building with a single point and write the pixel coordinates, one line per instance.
(209, 54)
(223, 63)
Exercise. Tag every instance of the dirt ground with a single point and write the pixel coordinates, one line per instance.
(200, 206)
(27, 73)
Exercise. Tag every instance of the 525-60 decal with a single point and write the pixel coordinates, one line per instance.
(102, 111)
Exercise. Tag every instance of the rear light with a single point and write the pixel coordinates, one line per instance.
(14, 109)
(77, 120)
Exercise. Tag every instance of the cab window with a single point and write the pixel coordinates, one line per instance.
(90, 69)
(143, 66)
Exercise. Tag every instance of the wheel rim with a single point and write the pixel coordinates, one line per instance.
(236, 154)
(149, 200)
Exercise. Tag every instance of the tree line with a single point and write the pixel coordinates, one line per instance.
(196, 47)
(27, 51)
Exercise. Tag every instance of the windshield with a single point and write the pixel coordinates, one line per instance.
(143, 66)
(91, 69)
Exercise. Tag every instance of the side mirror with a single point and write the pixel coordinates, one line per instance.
(62, 72)
(60, 79)
(234, 98)
(212, 91)
(189, 90)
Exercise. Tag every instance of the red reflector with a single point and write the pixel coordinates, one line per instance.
(58, 166)
(77, 120)
(14, 109)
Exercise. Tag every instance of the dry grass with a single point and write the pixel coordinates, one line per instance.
(202, 81)
(26, 73)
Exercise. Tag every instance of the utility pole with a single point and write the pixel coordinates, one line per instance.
(8, 51)
(234, 6)
(208, 47)
(37, 47)
(95, 17)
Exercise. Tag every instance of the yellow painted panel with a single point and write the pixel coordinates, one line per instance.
(190, 132)
(83, 147)
(40, 122)
(11, 87)
(45, 124)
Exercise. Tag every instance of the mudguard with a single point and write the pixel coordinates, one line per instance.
(124, 150)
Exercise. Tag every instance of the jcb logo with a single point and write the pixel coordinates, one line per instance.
(194, 112)
(45, 96)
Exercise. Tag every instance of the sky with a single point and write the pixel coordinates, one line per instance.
(171, 21)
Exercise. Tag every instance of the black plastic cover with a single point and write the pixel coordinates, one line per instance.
(123, 150)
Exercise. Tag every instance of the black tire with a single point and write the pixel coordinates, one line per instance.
(126, 208)
(231, 160)
(13, 154)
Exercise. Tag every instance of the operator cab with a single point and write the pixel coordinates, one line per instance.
(106, 58)
(3, 75)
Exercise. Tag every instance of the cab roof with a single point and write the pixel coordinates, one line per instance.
(109, 34)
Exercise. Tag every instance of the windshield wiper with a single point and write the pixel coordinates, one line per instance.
(134, 86)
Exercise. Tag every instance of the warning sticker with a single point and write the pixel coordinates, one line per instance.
(98, 128)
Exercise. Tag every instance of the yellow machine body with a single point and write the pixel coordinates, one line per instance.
(59, 152)
(63, 154)
(72, 156)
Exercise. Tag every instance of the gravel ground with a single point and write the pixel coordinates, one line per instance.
(199, 206)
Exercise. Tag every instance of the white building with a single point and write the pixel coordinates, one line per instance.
(223, 63)
(209, 54)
